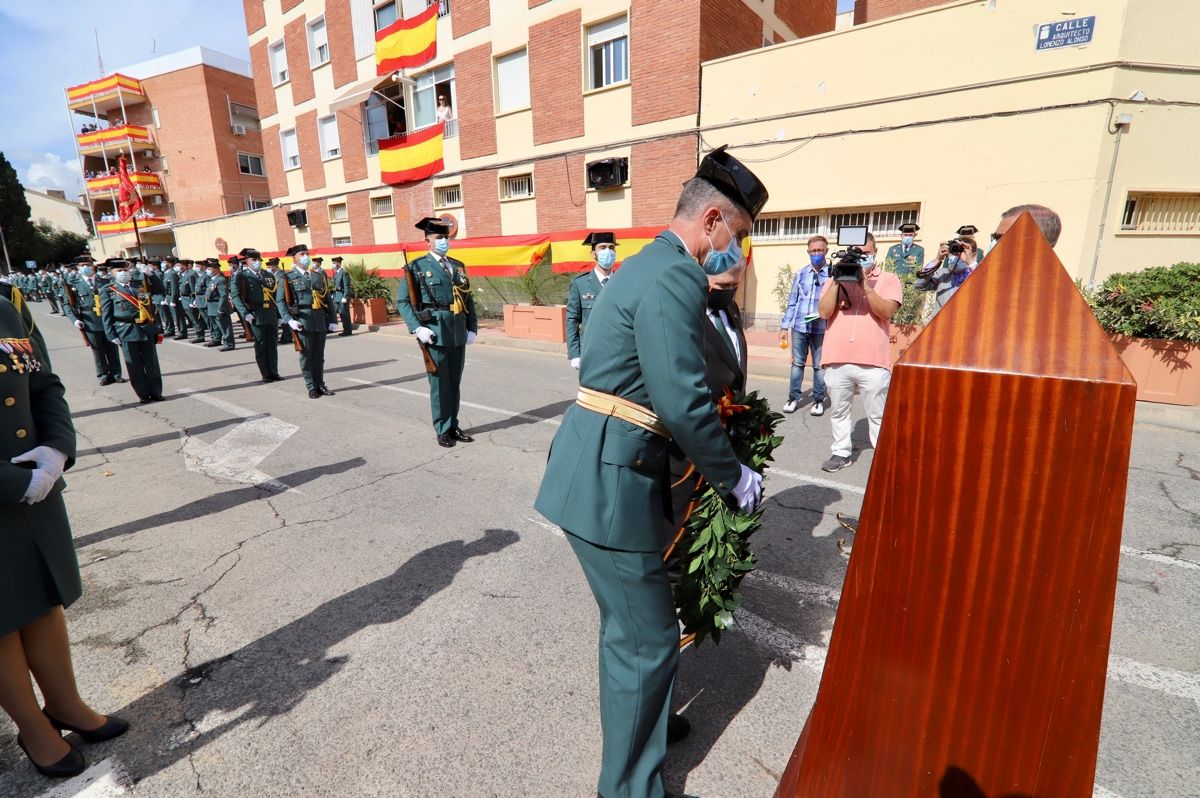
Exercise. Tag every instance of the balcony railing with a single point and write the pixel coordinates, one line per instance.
(146, 182)
(105, 94)
(443, 7)
(144, 223)
(114, 139)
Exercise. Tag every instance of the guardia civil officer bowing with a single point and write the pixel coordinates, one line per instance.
(253, 292)
(445, 322)
(642, 385)
(302, 297)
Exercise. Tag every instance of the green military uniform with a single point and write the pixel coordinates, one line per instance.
(342, 294)
(904, 261)
(581, 298)
(191, 284)
(14, 295)
(83, 305)
(128, 314)
(254, 298)
(444, 293)
(219, 310)
(48, 282)
(303, 296)
(38, 569)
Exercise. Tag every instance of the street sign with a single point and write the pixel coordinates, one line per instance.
(31, 264)
(1067, 33)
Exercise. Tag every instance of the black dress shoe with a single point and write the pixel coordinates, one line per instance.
(113, 727)
(118, 378)
(458, 435)
(181, 337)
(145, 400)
(314, 394)
(211, 344)
(677, 728)
(445, 440)
(227, 349)
(274, 378)
(197, 340)
(343, 335)
(70, 765)
(106, 380)
(158, 397)
(325, 390)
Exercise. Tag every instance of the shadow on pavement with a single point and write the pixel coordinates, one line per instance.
(362, 386)
(171, 435)
(546, 412)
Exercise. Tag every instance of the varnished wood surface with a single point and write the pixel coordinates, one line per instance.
(971, 644)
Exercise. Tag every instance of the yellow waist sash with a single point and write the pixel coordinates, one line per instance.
(609, 405)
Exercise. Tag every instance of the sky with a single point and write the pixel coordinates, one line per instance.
(845, 5)
(48, 45)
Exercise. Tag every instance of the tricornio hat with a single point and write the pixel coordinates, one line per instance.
(600, 238)
(730, 176)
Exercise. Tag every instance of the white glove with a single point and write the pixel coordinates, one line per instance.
(748, 491)
(470, 337)
(575, 363)
(295, 325)
(425, 335)
(116, 341)
(332, 327)
(49, 463)
(343, 301)
(79, 324)
(249, 318)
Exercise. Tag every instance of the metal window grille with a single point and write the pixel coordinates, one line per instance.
(341, 241)
(1162, 213)
(887, 222)
(381, 206)
(790, 227)
(516, 187)
(447, 196)
(849, 219)
(338, 212)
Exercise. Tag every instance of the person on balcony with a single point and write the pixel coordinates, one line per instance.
(444, 112)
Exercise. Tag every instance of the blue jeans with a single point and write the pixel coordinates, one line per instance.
(802, 344)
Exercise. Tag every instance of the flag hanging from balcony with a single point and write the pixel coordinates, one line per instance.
(410, 157)
(407, 42)
(129, 201)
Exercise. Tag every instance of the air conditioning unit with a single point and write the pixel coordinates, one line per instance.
(608, 173)
(156, 199)
(239, 130)
(298, 218)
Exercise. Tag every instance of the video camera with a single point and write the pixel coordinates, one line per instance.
(848, 265)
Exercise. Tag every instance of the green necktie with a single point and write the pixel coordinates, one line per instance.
(724, 333)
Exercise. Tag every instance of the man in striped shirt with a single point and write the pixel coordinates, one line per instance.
(805, 327)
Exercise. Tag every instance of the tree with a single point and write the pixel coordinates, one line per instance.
(14, 212)
(49, 244)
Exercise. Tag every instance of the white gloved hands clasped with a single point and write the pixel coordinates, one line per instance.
(575, 363)
(748, 491)
(425, 335)
(295, 325)
(50, 463)
(470, 337)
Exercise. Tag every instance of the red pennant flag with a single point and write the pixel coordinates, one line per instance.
(129, 201)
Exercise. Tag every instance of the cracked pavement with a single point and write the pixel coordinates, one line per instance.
(397, 621)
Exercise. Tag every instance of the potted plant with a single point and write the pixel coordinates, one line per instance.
(1153, 318)
(371, 295)
(536, 319)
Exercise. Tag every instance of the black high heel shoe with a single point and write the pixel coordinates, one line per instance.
(113, 727)
(70, 765)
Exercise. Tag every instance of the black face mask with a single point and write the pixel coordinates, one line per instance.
(721, 298)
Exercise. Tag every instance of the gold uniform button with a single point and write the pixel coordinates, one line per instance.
(3, 368)
(21, 433)
(637, 462)
(9, 402)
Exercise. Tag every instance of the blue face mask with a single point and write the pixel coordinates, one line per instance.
(86, 271)
(441, 246)
(906, 240)
(726, 259)
(304, 260)
(605, 258)
(868, 262)
(817, 260)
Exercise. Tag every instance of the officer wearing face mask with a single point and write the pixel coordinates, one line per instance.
(642, 385)
(907, 257)
(84, 311)
(586, 288)
(191, 283)
(128, 312)
(253, 291)
(303, 298)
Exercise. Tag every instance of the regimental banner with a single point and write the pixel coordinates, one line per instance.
(411, 157)
(106, 85)
(407, 43)
(135, 133)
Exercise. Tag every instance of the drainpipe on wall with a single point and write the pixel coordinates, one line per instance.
(1123, 121)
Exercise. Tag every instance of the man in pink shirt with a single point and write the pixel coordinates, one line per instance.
(856, 352)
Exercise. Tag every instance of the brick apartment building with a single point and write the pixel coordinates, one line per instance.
(873, 10)
(539, 89)
(188, 125)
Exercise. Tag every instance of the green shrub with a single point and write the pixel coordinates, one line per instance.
(1160, 302)
(367, 284)
(783, 285)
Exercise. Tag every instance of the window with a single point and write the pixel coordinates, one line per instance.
(443, 7)
(318, 43)
(608, 46)
(512, 81)
(154, 116)
(786, 228)
(381, 206)
(385, 116)
(250, 164)
(848, 219)
(291, 152)
(1162, 213)
(279, 66)
(516, 186)
(447, 196)
(341, 241)
(386, 14)
(327, 132)
(244, 115)
(254, 203)
(431, 86)
(338, 212)
(887, 222)
(156, 199)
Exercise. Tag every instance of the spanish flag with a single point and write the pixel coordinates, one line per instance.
(410, 157)
(407, 42)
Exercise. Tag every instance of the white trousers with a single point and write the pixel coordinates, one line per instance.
(844, 380)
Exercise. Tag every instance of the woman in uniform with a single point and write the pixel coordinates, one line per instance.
(39, 574)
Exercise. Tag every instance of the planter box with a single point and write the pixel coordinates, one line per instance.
(375, 311)
(358, 312)
(536, 322)
(1165, 371)
(901, 338)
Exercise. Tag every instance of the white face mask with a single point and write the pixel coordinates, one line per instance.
(121, 277)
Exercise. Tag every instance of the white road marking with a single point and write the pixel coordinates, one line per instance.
(1162, 559)
(1103, 792)
(826, 483)
(1180, 684)
(237, 453)
(806, 591)
(500, 411)
(104, 779)
(780, 641)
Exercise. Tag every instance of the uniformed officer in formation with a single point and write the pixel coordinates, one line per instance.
(585, 289)
(218, 307)
(128, 313)
(445, 322)
(906, 257)
(191, 283)
(253, 291)
(173, 280)
(84, 310)
(342, 294)
(642, 385)
(48, 282)
(303, 298)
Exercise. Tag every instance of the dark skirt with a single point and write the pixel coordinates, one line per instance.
(38, 568)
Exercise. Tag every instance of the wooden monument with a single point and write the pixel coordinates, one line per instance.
(971, 644)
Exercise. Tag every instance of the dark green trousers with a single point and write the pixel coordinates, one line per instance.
(225, 324)
(639, 655)
(104, 352)
(312, 358)
(141, 359)
(444, 387)
(266, 349)
(216, 333)
(344, 318)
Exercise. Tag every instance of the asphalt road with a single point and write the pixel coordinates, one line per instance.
(295, 597)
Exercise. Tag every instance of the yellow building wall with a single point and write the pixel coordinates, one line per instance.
(251, 229)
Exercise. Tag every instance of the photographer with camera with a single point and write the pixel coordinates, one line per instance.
(857, 304)
(954, 263)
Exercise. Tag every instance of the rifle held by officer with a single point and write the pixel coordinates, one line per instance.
(414, 299)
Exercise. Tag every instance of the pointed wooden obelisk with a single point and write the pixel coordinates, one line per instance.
(971, 644)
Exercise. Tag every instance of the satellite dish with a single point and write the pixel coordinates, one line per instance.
(222, 247)
(450, 220)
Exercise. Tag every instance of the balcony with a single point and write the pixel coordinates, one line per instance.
(146, 182)
(144, 223)
(114, 140)
(106, 94)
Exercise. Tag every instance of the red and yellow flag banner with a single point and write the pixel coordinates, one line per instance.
(492, 256)
(102, 86)
(410, 157)
(144, 223)
(568, 255)
(407, 42)
(145, 180)
(135, 133)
